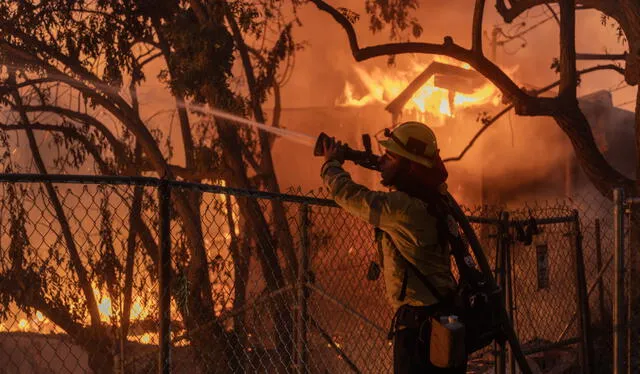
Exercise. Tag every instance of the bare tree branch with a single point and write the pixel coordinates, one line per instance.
(117, 146)
(477, 135)
(480, 63)
(490, 121)
(149, 59)
(553, 13)
(478, 13)
(69, 132)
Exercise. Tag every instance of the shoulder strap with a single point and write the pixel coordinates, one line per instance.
(423, 278)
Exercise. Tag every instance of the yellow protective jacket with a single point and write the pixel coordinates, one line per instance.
(409, 235)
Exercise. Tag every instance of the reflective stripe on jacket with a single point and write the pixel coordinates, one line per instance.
(410, 233)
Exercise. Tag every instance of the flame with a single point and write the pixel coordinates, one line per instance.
(145, 339)
(106, 308)
(138, 311)
(23, 324)
(39, 316)
(428, 101)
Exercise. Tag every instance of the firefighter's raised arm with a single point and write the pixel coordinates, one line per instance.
(375, 207)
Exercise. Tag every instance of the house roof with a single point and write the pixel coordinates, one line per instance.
(447, 76)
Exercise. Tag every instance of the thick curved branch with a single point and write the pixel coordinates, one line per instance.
(480, 63)
(492, 120)
(600, 56)
(625, 12)
(343, 21)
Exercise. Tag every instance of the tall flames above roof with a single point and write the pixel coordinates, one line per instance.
(426, 91)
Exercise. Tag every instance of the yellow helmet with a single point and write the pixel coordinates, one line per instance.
(412, 140)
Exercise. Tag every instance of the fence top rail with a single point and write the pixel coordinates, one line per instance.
(539, 221)
(155, 182)
(633, 200)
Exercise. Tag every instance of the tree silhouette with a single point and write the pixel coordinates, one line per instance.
(74, 66)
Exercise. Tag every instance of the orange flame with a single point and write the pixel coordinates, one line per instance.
(106, 308)
(428, 101)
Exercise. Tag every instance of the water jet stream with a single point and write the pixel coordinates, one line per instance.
(295, 136)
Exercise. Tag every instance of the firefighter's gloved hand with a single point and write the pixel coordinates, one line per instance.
(333, 150)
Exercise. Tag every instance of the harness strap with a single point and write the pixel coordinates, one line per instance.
(424, 279)
(403, 289)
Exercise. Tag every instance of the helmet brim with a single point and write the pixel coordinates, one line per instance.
(392, 146)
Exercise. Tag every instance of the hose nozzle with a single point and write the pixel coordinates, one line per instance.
(364, 158)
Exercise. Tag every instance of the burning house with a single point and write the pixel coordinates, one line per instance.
(515, 160)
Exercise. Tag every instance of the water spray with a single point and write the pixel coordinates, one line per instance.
(295, 136)
(364, 158)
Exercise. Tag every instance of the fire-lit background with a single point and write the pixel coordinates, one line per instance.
(517, 162)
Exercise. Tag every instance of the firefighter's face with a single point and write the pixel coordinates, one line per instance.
(389, 165)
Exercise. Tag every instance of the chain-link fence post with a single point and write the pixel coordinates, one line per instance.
(632, 290)
(164, 276)
(302, 294)
(618, 300)
(583, 298)
(509, 289)
(598, 246)
(501, 267)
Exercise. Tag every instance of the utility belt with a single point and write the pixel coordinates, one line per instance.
(414, 317)
(442, 334)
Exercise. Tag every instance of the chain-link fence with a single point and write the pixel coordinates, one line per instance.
(257, 282)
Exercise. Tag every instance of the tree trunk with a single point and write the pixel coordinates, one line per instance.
(575, 125)
(266, 249)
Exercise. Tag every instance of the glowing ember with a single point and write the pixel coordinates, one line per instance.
(145, 339)
(39, 316)
(428, 101)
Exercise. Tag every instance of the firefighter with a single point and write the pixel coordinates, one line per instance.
(406, 234)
